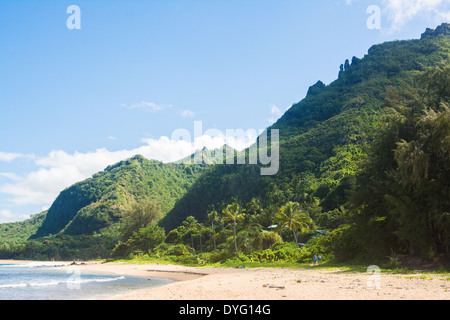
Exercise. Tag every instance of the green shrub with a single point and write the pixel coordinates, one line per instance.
(269, 239)
(189, 259)
(177, 250)
(218, 255)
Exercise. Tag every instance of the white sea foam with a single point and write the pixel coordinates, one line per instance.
(35, 265)
(13, 285)
(56, 282)
(42, 281)
(42, 264)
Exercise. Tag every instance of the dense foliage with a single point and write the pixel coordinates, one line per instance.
(233, 231)
(402, 202)
(85, 219)
(100, 201)
(364, 174)
(15, 232)
(323, 136)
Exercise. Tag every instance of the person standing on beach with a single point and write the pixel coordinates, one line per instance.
(315, 259)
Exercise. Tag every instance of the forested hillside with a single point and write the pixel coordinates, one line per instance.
(364, 176)
(15, 232)
(324, 135)
(100, 201)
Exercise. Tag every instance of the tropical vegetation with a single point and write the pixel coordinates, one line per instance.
(364, 176)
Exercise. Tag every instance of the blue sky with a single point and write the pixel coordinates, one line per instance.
(74, 101)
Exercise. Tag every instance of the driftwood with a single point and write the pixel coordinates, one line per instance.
(271, 286)
(182, 272)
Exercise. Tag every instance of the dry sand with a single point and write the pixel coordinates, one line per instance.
(275, 284)
(272, 283)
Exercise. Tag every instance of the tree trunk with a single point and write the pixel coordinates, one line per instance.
(213, 234)
(446, 244)
(412, 250)
(235, 242)
(295, 237)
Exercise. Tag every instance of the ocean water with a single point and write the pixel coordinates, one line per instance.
(46, 281)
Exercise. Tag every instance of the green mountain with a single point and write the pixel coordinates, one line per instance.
(99, 202)
(209, 157)
(324, 141)
(15, 232)
(322, 136)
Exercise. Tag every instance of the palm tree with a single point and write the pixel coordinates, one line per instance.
(290, 216)
(267, 215)
(233, 212)
(254, 206)
(200, 228)
(191, 225)
(213, 217)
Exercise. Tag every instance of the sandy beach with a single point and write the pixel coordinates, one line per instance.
(276, 284)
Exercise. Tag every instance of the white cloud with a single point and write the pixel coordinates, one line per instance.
(7, 216)
(41, 186)
(9, 175)
(237, 139)
(187, 113)
(400, 12)
(165, 149)
(276, 114)
(150, 106)
(59, 169)
(172, 149)
(10, 156)
(7, 157)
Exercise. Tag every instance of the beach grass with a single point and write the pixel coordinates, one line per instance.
(329, 266)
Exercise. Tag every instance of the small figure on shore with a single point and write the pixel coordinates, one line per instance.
(315, 259)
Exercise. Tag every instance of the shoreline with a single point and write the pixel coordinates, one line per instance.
(208, 283)
(160, 271)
